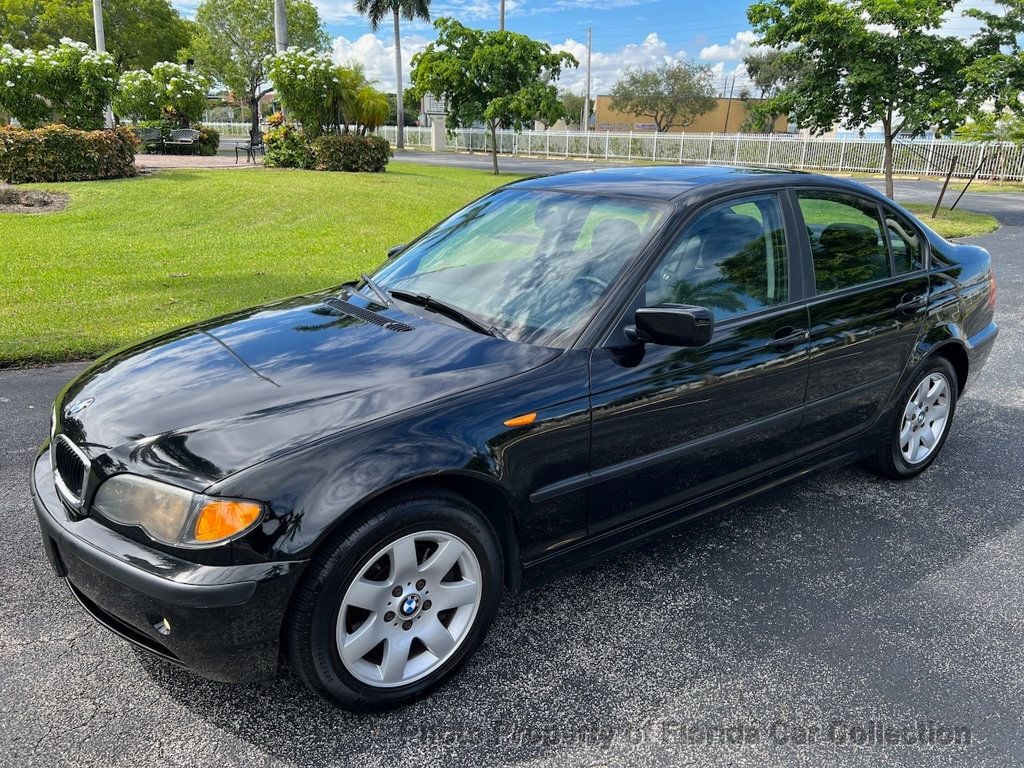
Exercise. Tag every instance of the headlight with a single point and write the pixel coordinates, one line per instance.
(172, 515)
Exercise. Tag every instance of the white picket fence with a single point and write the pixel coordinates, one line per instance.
(922, 157)
(233, 130)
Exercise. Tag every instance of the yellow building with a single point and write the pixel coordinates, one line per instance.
(726, 117)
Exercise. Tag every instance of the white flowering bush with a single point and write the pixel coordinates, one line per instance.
(323, 96)
(168, 90)
(69, 83)
(308, 84)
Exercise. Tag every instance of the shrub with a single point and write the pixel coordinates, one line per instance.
(288, 147)
(209, 140)
(349, 152)
(169, 90)
(59, 153)
(323, 96)
(69, 83)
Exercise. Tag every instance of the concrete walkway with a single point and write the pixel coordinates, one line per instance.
(164, 162)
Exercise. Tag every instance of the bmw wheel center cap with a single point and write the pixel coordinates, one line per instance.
(410, 604)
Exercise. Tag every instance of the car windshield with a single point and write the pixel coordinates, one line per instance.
(532, 264)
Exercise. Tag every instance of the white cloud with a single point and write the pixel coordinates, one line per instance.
(741, 44)
(336, 11)
(608, 66)
(376, 54)
(377, 57)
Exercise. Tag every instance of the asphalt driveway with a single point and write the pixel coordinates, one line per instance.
(801, 628)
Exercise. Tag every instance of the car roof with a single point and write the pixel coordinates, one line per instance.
(668, 182)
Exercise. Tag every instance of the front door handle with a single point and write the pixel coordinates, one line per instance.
(787, 338)
(910, 303)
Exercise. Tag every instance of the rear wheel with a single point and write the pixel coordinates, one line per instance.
(919, 422)
(397, 602)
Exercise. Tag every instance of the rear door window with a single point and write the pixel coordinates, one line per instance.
(848, 242)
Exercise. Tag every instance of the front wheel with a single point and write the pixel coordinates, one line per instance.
(919, 423)
(396, 602)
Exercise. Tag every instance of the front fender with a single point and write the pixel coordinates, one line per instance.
(314, 489)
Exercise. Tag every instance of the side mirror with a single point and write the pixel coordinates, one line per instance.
(394, 250)
(673, 325)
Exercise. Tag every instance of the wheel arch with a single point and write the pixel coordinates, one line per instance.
(957, 356)
(947, 339)
(494, 503)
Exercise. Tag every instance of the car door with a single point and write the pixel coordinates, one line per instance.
(670, 424)
(870, 304)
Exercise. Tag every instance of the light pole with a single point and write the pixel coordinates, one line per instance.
(586, 101)
(101, 47)
(501, 16)
(280, 26)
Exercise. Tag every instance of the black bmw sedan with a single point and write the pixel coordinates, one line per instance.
(567, 367)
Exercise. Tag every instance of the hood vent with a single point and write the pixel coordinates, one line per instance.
(367, 316)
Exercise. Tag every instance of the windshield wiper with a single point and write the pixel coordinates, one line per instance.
(380, 292)
(429, 302)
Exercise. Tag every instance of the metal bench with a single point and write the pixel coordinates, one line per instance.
(251, 147)
(151, 137)
(183, 138)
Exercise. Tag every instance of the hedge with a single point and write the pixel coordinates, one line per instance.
(290, 147)
(349, 152)
(59, 153)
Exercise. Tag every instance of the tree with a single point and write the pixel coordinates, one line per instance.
(234, 42)
(169, 91)
(375, 11)
(69, 83)
(139, 33)
(572, 105)
(498, 78)
(868, 61)
(671, 95)
(992, 128)
(998, 71)
(410, 107)
(770, 71)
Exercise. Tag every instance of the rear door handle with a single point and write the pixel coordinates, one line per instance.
(787, 338)
(909, 302)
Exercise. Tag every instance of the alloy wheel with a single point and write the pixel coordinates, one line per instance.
(925, 418)
(409, 609)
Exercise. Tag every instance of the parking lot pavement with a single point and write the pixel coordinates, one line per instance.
(784, 631)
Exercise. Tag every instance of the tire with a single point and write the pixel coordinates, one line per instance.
(388, 549)
(916, 428)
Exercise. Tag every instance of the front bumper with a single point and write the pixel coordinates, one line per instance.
(225, 621)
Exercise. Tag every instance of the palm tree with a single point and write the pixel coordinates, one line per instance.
(375, 11)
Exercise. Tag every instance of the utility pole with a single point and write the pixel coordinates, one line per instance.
(101, 47)
(586, 100)
(728, 108)
(501, 16)
(280, 26)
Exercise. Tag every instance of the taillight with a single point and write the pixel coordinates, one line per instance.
(991, 291)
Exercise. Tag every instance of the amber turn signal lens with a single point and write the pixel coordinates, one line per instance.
(222, 519)
(521, 421)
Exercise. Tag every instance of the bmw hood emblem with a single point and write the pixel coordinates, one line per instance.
(79, 405)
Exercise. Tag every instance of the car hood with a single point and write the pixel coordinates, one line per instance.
(208, 400)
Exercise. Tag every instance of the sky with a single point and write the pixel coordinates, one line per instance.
(627, 33)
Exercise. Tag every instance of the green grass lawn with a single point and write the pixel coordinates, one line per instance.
(987, 186)
(955, 223)
(131, 258)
